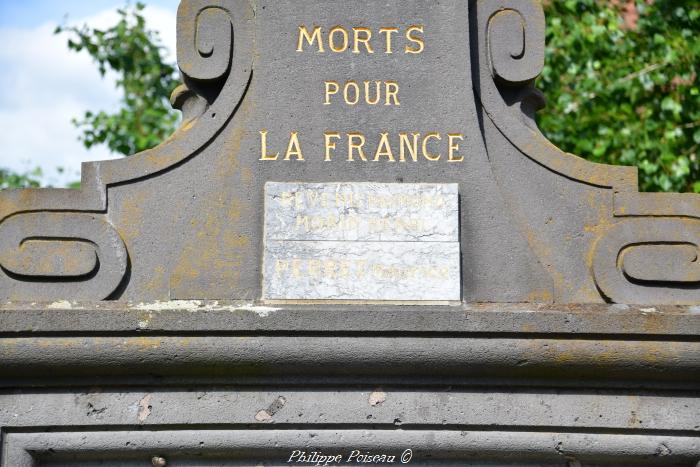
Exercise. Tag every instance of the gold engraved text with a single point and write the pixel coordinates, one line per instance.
(360, 39)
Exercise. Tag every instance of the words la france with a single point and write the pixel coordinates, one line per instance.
(407, 146)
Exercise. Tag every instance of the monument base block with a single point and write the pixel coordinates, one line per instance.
(232, 383)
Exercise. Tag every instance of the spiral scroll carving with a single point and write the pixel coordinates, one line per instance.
(515, 37)
(648, 251)
(511, 44)
(205, 39)
(56, 255)
(649, 261)
(58, 244)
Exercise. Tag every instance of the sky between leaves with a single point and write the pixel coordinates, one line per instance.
(43, 85)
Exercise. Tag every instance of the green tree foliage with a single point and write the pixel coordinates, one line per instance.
(622, 84)
(136, 54)
(621, 78)
(10, 179)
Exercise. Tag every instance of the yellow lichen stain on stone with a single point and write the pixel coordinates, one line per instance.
(131, 219)
(188, 125)
(216, 251)
(157, 281)
(565, 357)
(246, 175)
(654, 323)
(143, 343)
(54, 342)
(540, 296)
(544, 254)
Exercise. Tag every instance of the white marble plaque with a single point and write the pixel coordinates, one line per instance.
(368, 242)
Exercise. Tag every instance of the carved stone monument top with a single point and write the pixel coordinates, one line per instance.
(403, 96)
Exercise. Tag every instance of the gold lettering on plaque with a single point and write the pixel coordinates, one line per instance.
(332, 87)
(377, 92)
(426, 154)
(453, 147)
(384, 149)
(329, 143)
(387, 34)
(367, 33)
(417, 40)
(339, 39)
(411, 146)
(392, 92)
(314, 37)
(332, 39)
(356, 93)
(352, 91)
(352, 145)
(294, 149)
(263, 148)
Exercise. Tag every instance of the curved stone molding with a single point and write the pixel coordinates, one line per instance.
(646, 248)
(516, 50)
(650, 260)
(605, 384)
(209, 100)
(511, 41)
(70, 255)
(255, 359)
(221, 99)
(194, 134)
(215, 55)
(205, 40)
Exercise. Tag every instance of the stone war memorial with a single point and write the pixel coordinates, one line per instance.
(358, 248)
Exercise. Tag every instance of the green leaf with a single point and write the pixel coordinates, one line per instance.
(626, 96)
(136, 54)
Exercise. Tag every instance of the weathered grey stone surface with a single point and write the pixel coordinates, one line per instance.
(366, 242)
(273, 448)
(206, 383)
(131, 326)
(273, 94)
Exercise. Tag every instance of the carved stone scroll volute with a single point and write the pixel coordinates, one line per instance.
(647, 248)
(50, 255)
(58, 244)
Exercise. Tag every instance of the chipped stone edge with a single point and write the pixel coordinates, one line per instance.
(202, 305)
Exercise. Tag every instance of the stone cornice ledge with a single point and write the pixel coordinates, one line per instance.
(243, 343)
(195, 316)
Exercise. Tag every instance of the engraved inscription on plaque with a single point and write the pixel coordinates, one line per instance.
(369, 242)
